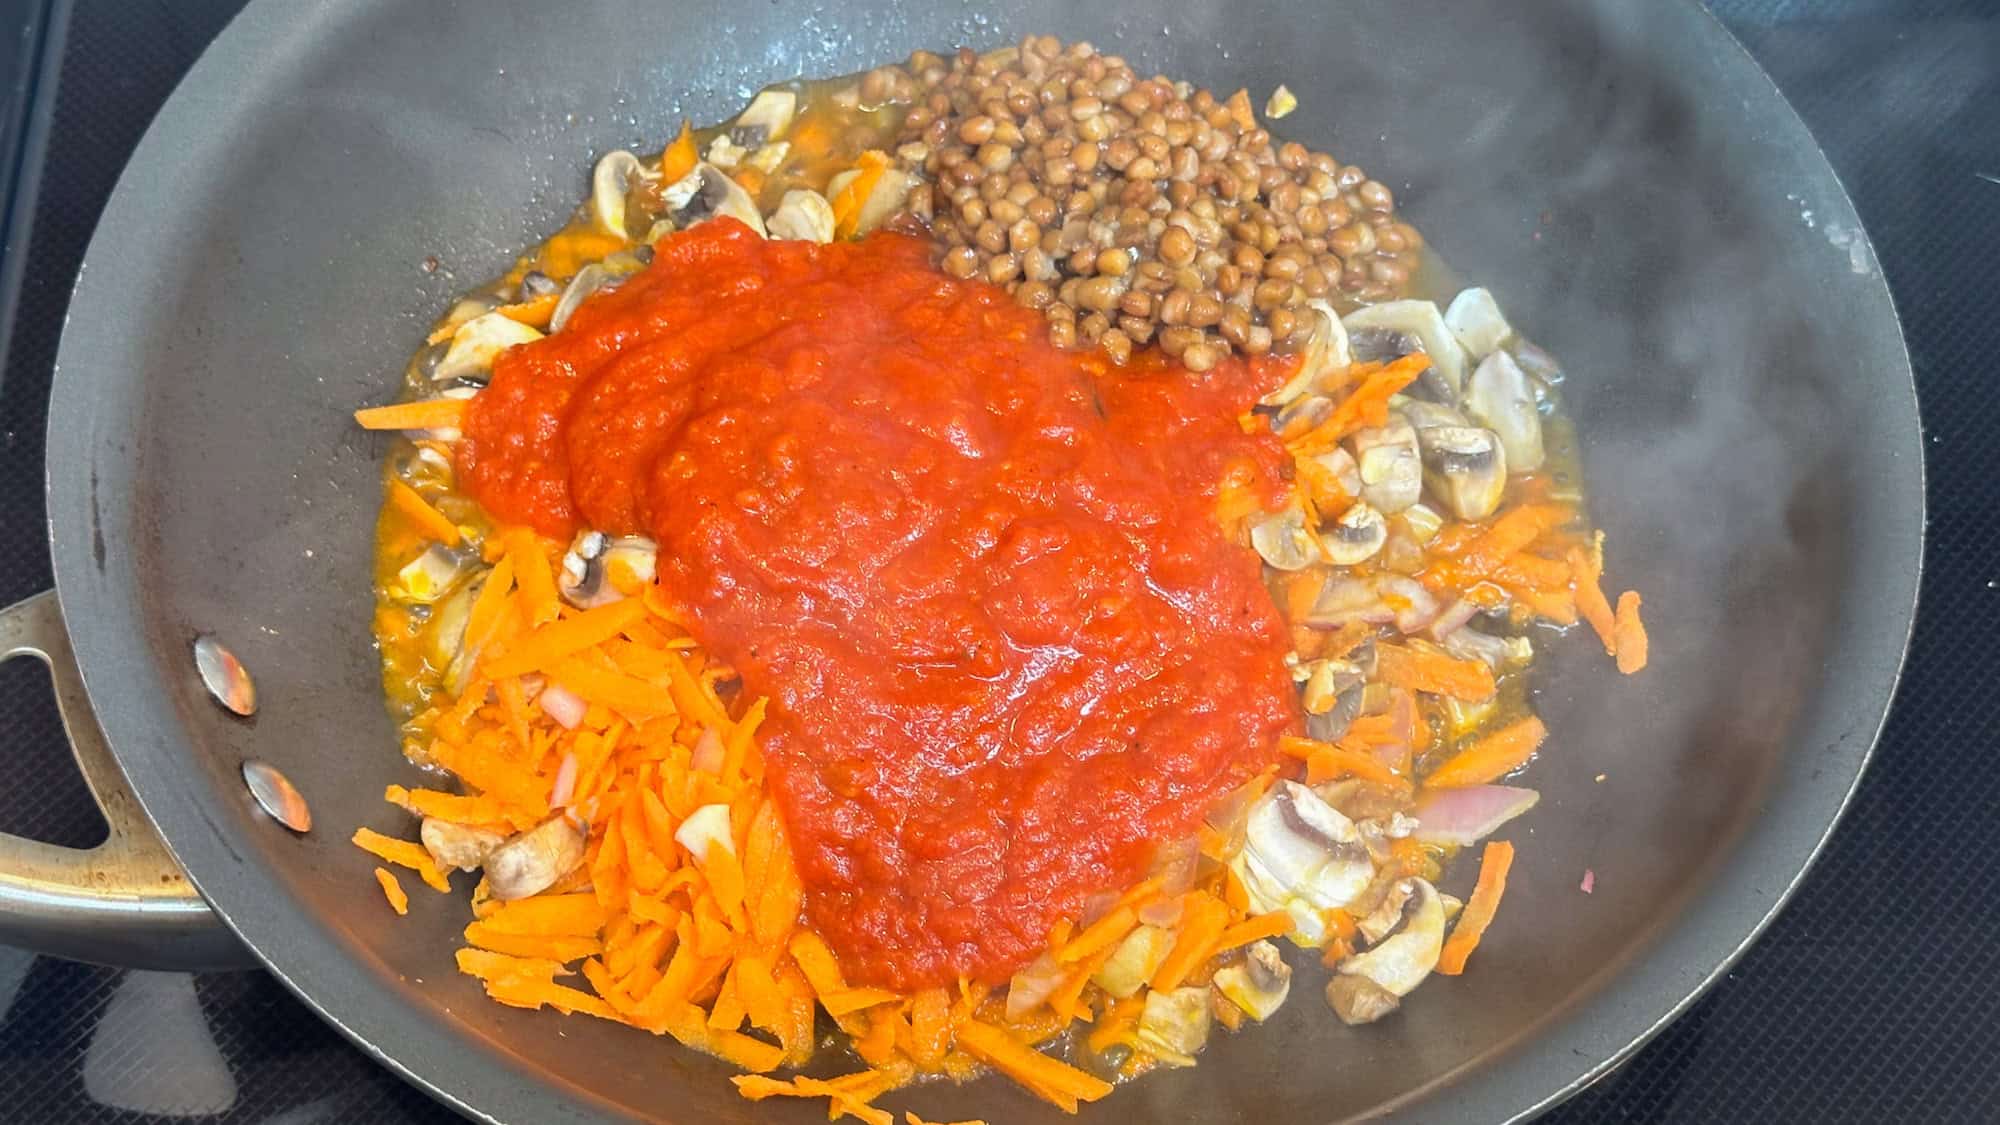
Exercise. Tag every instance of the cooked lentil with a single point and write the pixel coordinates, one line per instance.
(1124, 207)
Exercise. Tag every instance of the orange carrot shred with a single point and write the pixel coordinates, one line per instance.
(681, 156)
(1590, 601)
(393, 891)
(1428, 671)
(402, 853)
(542, 648)
(1492, 757)
(1631, 634)
(431, 414)
(1101, 934)
(1479, 909)
(1275, 924)
(419, 511)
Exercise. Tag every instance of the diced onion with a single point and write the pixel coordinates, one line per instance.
(565, 786)
(1034, 985)
(563, 705)
(708, 753)
(1467, 815)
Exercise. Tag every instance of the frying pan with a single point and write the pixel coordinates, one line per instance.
(1618, 171)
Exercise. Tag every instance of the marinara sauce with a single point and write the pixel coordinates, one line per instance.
(1008, 647)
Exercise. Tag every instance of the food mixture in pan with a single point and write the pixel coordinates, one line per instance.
(997, 557)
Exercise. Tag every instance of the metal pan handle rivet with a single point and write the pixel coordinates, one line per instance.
(224, 676)
(276, 795)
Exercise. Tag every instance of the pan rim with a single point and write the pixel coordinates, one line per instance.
(1540, 1067)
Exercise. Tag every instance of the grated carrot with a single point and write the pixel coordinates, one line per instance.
(681, 156)
(431, 414)
(1492, 757)
(1275, 924)
(1029, 1067)
(393, 891)
(1202, 925)
(531, 570)
(1631, 634)
(1101, 934)
(1430, 671)
(1479, 910)
(419, 511)
(549, 915)
(402, 853)
(541, 649)
(1586, 571)
(849, 1000)
(1366, 405)
(1512, 532)
(849, 201)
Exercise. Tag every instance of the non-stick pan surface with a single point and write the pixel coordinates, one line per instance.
(1619, 172)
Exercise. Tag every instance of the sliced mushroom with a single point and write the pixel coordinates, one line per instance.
(1335, 480)
(1260, 984)
(1302, 857)
(431, 576)
(478, 342)
(1423, 521)
(1358, 1000)
(707, 192)
(1333, 723)
(1475, 322)
(1283, 540)
(1301, 414)
(725, 152)
(1499, 652)
(1421, 320)
(765, 119)
(1356, 536)
(1362, 801)
(1540, 365)
(769, 158)
(461, 847)
(891, 188)
(536, 284)
(1466, 468)
(803, 214)
(464, 309)
(444, 634)
(1344, 601)
(1368, 986)
(1388, 914)
(1391, 465)
(1425, 415)
(1326, 351)
(532, 861)
(588, 281)
(596, 566)
(1326, 681)
(1173, 1028)
(610, 182)
(1499, 396)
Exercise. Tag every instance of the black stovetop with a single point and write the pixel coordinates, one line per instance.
(1870, 1000)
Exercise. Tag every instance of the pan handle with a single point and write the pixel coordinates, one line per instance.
(124, 902)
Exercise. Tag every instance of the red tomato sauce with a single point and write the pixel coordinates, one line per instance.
(1007, 645)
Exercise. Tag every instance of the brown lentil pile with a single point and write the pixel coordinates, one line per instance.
(1135, 210)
